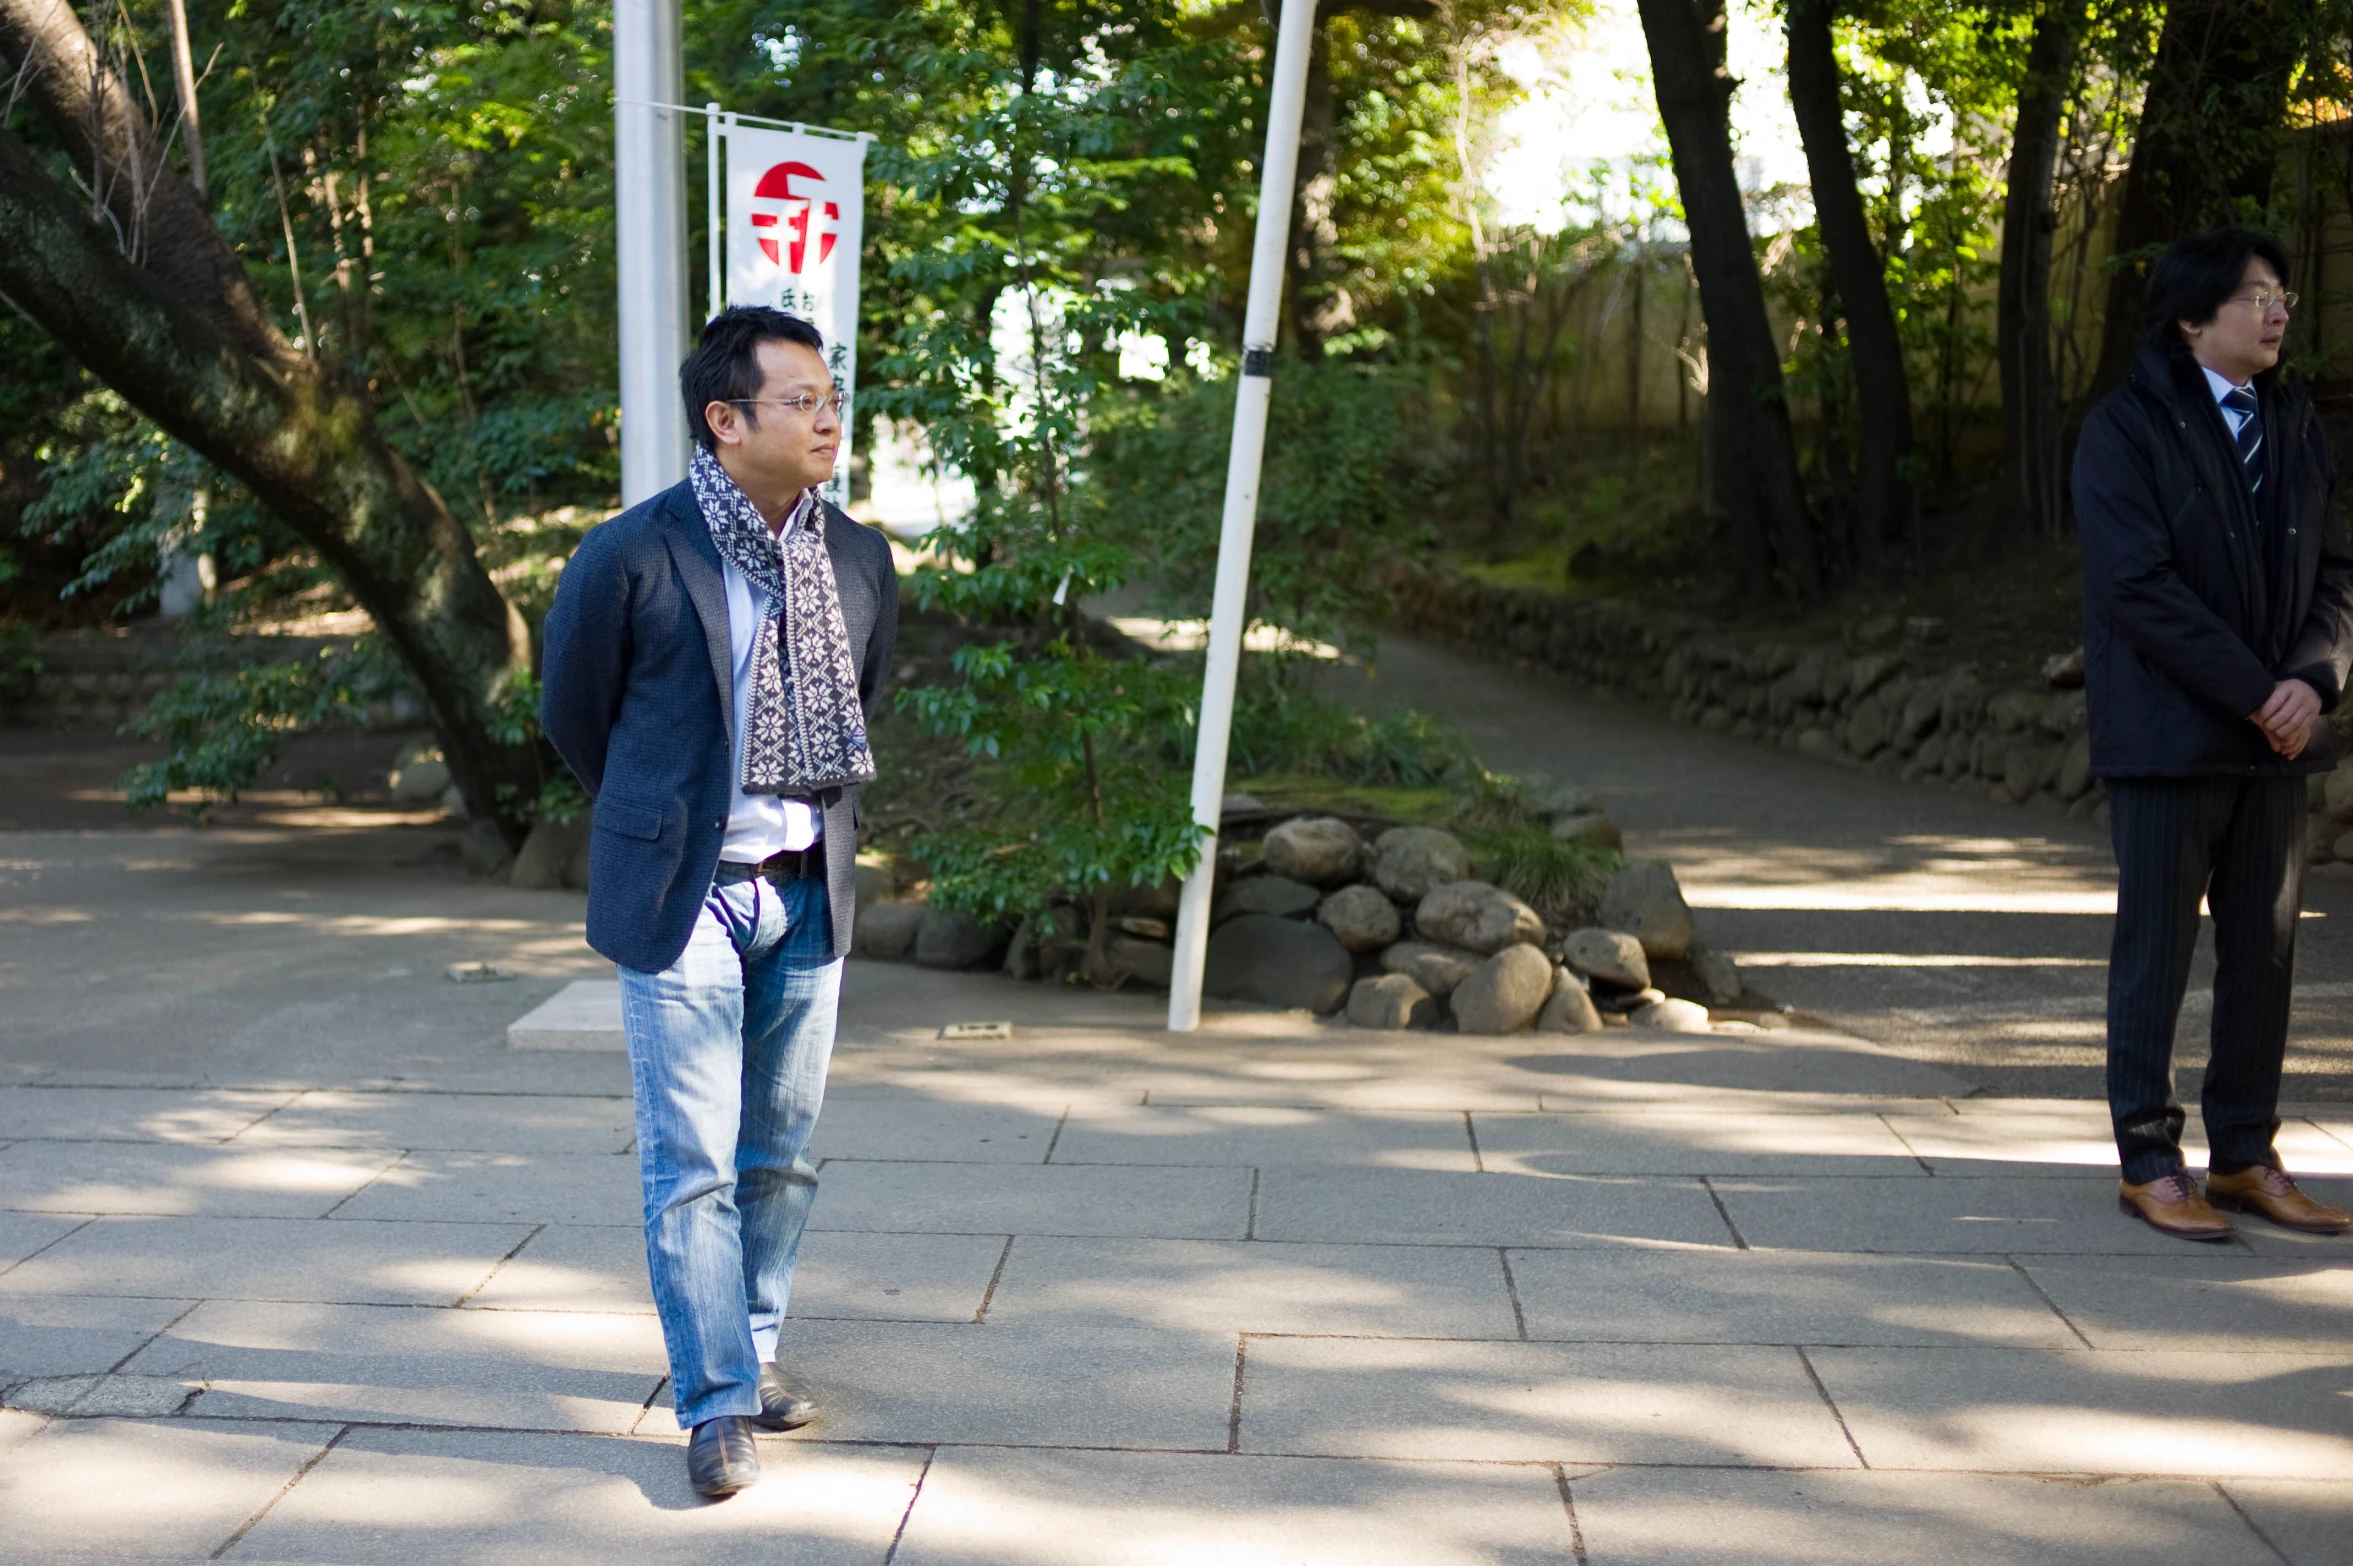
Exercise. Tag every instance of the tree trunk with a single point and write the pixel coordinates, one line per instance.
(1315, 307)
(180, 337)
(1753, 461)
(1883, 394)
(2022, 333)
(2208, 140)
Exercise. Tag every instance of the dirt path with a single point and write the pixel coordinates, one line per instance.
(1951, 928)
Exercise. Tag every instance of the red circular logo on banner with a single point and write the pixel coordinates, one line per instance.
(776, 204)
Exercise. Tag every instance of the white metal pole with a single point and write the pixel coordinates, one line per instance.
(714, 224)
(649, 214)
(1276, 174)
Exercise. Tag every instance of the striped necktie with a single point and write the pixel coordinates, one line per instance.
(2241, 401)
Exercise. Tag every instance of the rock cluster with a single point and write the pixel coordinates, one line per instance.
(1879, 698)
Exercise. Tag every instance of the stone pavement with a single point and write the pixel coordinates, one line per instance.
(299, 1262)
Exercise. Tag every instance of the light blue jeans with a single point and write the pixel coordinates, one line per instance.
(728, 1048)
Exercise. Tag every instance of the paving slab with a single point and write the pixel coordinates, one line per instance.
(2016, 1215)
(2220, 1304)
(2265, 1238)
(566, 1370)
(918, 1129)
(75, 1335)
(22, 1234)
(1793, 1060)
(1685, 1142)
(1157, 1203)
(569, 1188)
(1409, 1207)
(2080, 1411)
(585, 1015)
(470, 1498)
(1720, 1296)
(840, 1273)
(87, 1114)
(453, 1122)
(2309, 1524)
(2078, 1139)
(1536, 1402)
(164, 1179)
(146, 1487)
(1688, 1517)
(984, 1508)
(920, 1383)
(1256, 1286)
(1266, 1136)
(17, 1427)
(319, 1260)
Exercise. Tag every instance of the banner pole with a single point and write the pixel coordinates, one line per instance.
(1253, 394)
(649, 215)
(714, 138)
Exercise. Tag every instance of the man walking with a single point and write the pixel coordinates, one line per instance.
(711, 662)
(2218, 624)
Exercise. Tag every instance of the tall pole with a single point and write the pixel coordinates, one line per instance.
(649, 212)
(1254, 390)
(184, 78)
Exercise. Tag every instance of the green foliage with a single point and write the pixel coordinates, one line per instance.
(1561, 881)
(1281, 727)
(225, 729)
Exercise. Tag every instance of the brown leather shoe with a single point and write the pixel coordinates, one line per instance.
(2173, 1206)
(2272, 1193)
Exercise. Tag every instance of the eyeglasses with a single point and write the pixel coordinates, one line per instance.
(806, 402)
(2265, 300)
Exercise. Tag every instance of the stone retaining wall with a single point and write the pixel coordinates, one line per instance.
(103, 679)
(1882, 700)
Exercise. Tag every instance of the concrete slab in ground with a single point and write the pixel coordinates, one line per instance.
(584, 1015)
(456, 1122)
(921, 1383)
(1175, 1204)
(1266, 1135)
(317, 1260)
(2309, 1524)
(503, 1187)
(2023, 1215)
(907, 1130)
(1725, 1296)
(841, 1273)
(2077, 1139)
(2219, 1304)
(1401, 1207)
(1687, 1517)
(490, 1498)
(1230, 1287)
(147, 1487)
(162, 1179)
(23, 1234)
(984, 1508)
(523, 1370)
(2274, 1416)
(1536, 1402)
(88, 1114)
(1683, 1142)
(75, 1335)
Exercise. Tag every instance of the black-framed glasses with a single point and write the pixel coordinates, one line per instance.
(803, 402)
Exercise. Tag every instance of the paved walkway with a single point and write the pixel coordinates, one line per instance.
(298, 1262)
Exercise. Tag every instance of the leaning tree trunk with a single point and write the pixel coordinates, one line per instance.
(1883, 394)
(1752, 458)
(137, 284)
(2208, 140)
(2022, 330)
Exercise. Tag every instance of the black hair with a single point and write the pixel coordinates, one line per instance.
(725, 364)
(2196, 276)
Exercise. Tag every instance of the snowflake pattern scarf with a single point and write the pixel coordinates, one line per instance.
(805, 729)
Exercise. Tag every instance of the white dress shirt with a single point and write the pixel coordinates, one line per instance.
(2222, 386)
(758, 825)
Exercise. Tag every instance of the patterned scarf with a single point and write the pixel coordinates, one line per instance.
(806, 730)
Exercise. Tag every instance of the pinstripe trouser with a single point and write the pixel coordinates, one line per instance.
(2239, 843)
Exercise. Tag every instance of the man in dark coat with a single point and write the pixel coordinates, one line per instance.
(2218, 625)
(711, 662)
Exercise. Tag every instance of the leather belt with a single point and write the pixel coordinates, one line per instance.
(790, 865)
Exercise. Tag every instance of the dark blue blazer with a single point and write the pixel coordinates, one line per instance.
(638, 698)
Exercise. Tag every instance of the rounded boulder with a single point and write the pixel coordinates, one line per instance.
(1612, 956)
(1504, 993)
(1646, 902)
(1477, 917)
(1360, 918)
(1278, 895)
(1389, 1000)
(1409, 861)
(1319, 850)
(1278, 962)
(1437, 969)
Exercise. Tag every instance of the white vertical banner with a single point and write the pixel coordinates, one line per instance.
(795, 217)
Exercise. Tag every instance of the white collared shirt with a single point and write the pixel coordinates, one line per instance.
(758, 825)
(2222, 386)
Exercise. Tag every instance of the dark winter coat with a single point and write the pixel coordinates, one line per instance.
(2196, 603)
(638, 697)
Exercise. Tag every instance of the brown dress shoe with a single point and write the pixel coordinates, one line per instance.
(2173, 1206)
(2273, 1193)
